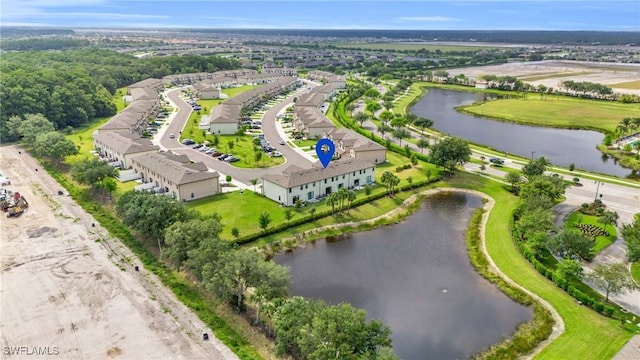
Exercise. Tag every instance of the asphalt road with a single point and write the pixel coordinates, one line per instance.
(242, 175)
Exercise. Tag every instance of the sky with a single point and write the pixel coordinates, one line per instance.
(604, 15)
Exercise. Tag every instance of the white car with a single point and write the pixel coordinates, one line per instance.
(172, 136)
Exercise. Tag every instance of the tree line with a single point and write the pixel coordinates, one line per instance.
(72, 87)
(558, 253)
(301, 328)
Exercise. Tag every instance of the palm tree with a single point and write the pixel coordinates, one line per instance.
(624, 125)
(342, 196)
(351, 196)
(332, 200)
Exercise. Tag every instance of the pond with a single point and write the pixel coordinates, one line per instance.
(560, 146)
(416, 277)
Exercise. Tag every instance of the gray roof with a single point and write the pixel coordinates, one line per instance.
(124, 142)
(352, 139)
(178, 172)
(311, 99)
(294, 176)
(150, 82)
(143, 93)
(225, 114)
(313, 118)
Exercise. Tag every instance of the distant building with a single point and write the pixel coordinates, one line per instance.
(308, 184)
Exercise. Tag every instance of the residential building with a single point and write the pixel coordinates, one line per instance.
(295, 183)
(206, 91)
(311, 122)
(280, 71)
(350, 144)
(225, 118)
(151, 83)
(176, 176)
(121, 146)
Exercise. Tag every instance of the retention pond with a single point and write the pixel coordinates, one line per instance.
(416, 277)
(560, 146)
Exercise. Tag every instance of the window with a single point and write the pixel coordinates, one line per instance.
(300, 187)
(343, 177)
(340, 186)
(325, 181)
(306, 186)
(289, 190)
(193, 195)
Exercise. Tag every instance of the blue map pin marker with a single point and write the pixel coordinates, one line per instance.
(325, 150)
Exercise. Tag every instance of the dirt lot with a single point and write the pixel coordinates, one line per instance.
(551, 73)
(65, 295)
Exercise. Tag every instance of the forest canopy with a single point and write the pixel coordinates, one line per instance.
(72, 87)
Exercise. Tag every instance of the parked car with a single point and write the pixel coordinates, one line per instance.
(197, 146)
(188, 142)
(216, 153)
(223, 156)
(231, 159)
(276, 154)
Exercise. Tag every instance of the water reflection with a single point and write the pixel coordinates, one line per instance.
(416, 277)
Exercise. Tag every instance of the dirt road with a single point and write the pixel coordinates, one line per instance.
(68, 291)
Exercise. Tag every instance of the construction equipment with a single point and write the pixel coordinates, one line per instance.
(18, 207)
(14, 211)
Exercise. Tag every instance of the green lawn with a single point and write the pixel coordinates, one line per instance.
(635, 271)
(588, 335)
(417, 172)
(243, 149)
(562, 111)
(400, 106)
(83, 136)
(242, 210)
(601, 241)
(191, 130)
(304, 144)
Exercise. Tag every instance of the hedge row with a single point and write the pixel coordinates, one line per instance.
(321, 214)
(581, 297)
(186, 293)
(528, 335)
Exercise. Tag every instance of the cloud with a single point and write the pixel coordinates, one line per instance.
(101, 15)
(429, 19)
(229, 18)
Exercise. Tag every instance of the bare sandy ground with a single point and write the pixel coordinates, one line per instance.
(602, 73)
(65, 295)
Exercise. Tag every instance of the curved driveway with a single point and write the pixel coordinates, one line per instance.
(224, 168)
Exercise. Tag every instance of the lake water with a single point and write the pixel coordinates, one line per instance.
(560, 146)
(416, 277)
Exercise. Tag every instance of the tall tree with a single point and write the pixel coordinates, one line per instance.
(182, 238)
(450, 152)
(422, 144)
(92, 171)
(423, 123)
(608, 218)
(514, 178)
(54, 145)
(614, 279)
(571, 244)
(30, 127)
